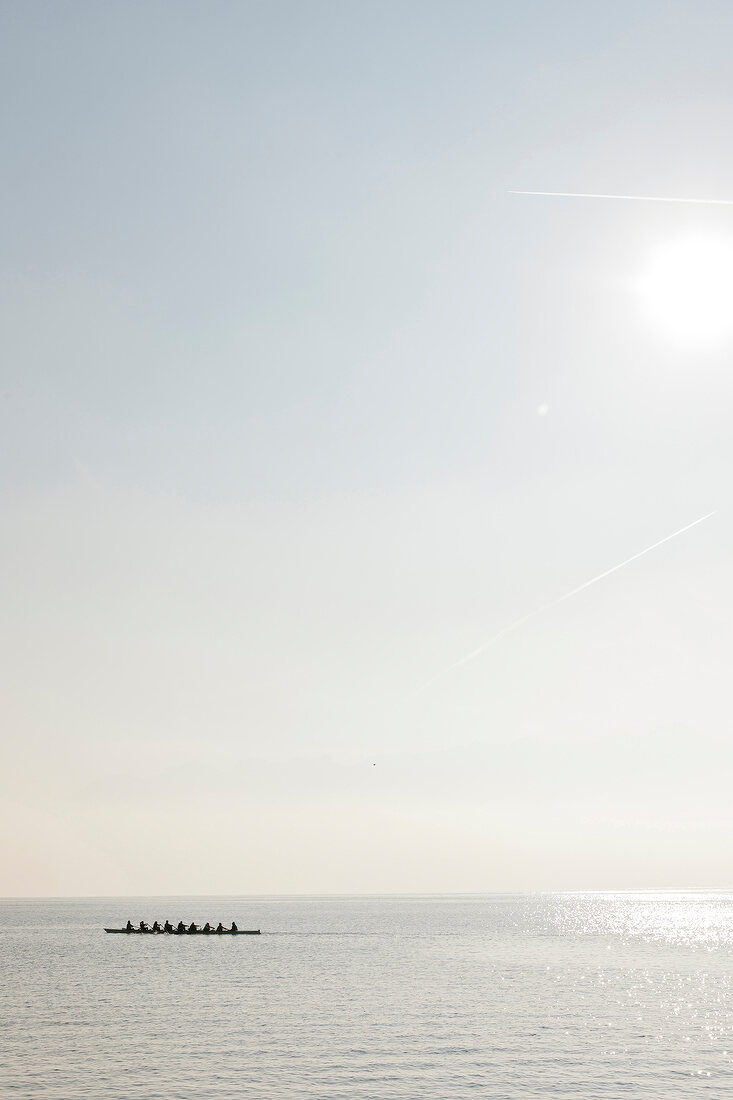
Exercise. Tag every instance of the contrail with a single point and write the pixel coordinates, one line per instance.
(625, 198)
(554, 603)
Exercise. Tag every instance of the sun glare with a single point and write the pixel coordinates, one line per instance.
(686, 291)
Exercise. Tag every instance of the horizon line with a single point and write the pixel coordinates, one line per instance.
(385, 893)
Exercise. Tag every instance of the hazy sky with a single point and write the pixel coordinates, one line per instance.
(298, 405)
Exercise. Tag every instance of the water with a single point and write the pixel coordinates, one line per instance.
(371, 998)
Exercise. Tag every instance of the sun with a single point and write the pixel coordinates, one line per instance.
(686, 291)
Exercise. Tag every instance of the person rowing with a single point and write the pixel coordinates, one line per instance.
(206, 928)
(167, 927)
(234, 927)
(181, 928)
(220, 927)
(193, 928)
(156, 926)
(128, 926)
(143, 926)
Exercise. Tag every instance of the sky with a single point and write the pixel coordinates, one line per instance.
(299, 406)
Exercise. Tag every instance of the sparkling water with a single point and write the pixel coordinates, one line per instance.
(565, 995)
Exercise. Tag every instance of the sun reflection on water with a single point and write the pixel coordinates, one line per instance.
(695, 920)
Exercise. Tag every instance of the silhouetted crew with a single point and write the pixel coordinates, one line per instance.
(181, 926)
(207, 927)
(143, 926)
(128, 927)
(167, 927)
(156, 926)
(193, 927)
(234, 927)
(220, 927)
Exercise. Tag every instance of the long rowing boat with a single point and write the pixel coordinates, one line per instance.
(175, 932)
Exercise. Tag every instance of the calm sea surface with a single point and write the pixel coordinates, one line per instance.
(383, 997)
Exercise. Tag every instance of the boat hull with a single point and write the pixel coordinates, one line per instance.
(175, 932)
